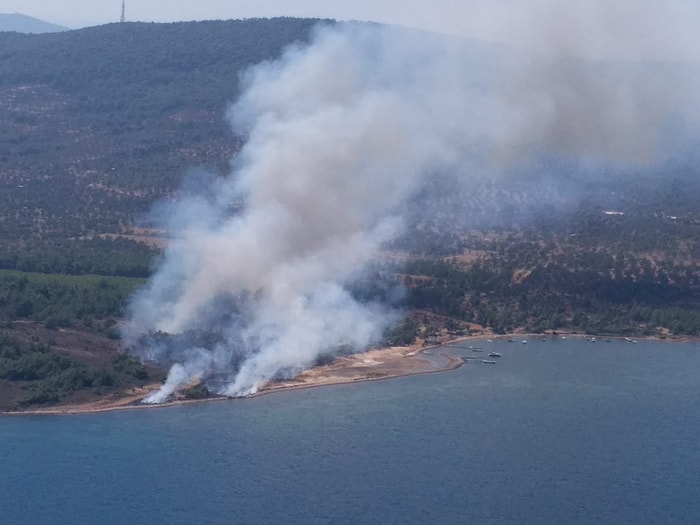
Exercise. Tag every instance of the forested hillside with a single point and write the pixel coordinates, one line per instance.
(98, 124)
(26, 24)
(95, 125)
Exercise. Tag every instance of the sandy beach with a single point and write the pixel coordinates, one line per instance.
(373, 365)
(370, 366)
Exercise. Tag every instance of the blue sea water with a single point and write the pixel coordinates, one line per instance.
(560, 432)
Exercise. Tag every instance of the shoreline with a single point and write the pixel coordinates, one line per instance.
(407, 361)
(372, 365)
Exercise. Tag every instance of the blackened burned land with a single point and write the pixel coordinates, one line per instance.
(98, 124)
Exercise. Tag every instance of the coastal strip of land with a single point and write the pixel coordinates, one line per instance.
(373, 365)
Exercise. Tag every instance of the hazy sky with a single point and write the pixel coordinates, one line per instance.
(610, 28)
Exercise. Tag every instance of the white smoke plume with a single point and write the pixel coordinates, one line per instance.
(339, 134)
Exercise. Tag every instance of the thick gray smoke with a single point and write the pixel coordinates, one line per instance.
(339, 134)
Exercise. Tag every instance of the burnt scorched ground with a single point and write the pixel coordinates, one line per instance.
(41, 367)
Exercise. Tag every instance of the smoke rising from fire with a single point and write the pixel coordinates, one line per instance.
(339, 134)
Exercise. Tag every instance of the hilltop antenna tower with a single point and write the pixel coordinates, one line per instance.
(123, 18)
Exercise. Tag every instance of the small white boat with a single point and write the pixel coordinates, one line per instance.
(494, 354)
(524, 341)
(488, 362)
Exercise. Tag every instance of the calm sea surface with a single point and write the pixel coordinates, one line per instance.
(557, 432)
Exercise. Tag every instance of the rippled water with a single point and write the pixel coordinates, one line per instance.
(555, 432)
